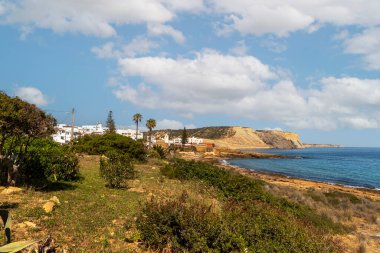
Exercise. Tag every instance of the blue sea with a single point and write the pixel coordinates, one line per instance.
(355, 167)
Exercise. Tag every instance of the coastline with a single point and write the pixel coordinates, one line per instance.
(278, 179)
(303, 184)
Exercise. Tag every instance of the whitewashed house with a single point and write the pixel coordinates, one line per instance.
(63, 133)
(130, 133)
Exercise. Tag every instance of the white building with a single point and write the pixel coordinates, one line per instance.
(190, 140)
(130, 133)
(63, 132)
(94, 129)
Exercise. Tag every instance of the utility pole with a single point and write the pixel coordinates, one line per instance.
(72, 125)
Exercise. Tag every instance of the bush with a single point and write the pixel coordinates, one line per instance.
(102, 144)
(160, 151)
(180, 226)
(116, 169)
(263, 222)
(48, 161)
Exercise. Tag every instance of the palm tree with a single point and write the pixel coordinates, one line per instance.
(137, 118)
(150, 124)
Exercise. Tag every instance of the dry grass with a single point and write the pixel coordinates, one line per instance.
(92, 217)
(361, 214)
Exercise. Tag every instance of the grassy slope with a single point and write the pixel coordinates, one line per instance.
(93, 218)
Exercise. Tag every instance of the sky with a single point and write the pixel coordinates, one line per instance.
(307, 66)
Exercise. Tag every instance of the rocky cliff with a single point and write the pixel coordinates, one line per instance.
(240, 137)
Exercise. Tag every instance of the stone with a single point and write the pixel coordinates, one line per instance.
(49, 206)
(27, 224)
(136, 189)
(11, 190)
(30, 224)
(55, 200)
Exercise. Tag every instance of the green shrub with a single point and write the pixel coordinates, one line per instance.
(235, 186)
(180, 226)
(48, 161)
(160, 150)
(116, 169)
(264, 223)
(102, 144)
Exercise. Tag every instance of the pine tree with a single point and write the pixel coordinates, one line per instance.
(184, 136)
(110, 123)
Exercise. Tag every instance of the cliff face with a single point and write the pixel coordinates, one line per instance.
(240, 137)
(279, 139)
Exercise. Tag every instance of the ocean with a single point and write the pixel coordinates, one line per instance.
(354, 167)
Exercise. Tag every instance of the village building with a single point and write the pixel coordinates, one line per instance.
(63, 132)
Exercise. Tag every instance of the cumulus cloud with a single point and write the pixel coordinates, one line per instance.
(32, 95)
(172, 124)
(283, 17)
(160, 29)
(240, 48)
(242, 86)
(366, 44)
(95, 17)
(136, 47)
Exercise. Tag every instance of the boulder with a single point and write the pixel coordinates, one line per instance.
(49, 206)
(55, 200)
(11, 190)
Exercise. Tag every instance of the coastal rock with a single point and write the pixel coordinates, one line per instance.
(11, 190)
(27, 224)
(49, 206)
(55, 200)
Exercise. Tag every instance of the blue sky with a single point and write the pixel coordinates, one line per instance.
(297, 65)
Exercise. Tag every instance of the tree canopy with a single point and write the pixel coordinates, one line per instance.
(20, 123)
(111, 123)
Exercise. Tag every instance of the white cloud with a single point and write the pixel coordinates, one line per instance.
(32, 95)
(136, 47)
(273, 45)
(183, 5)
(172, 124)
(106, 50)
(366, 44)
(242, 86)
(281, 17)
(160, 29)
(90, 17)
(240, 48)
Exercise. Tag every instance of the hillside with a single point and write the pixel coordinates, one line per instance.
(239, 137)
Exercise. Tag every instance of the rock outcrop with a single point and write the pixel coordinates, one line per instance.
(239, 137)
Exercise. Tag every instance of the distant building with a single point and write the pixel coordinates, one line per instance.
(130, 133)
(63, 132)
(178, 141)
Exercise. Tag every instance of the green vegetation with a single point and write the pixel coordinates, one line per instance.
(110, 123)
(277, 223)
(27, 156)
(184, 136)
(47, 161)
(205, 132)
(180, 225)
(150, 124)
(137, 119)
(116, 169)
(160, 151)
(102, 144)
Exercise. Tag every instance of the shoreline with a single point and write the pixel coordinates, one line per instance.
(278, 179)
(301, 183)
